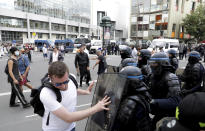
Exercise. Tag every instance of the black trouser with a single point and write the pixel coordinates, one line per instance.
(16, 91)
(84, 73)
(180, 56)
(87, 78)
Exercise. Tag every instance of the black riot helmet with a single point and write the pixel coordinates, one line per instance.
(144, 56)
(194, 57)
(159, 62)
(172, 52)
(125, 52)
(134, 77)
(129, 62)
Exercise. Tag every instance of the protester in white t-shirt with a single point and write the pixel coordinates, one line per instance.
(45, 51)
(134, 52)
(55, 56)
(63, 114)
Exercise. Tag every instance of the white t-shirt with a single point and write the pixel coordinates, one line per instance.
(69, 100)
(45, 50)
(62, 47)
(134, 53)
(55, 57)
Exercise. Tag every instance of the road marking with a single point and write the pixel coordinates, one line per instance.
(83, 105)
(28, 90)
(31, 115)
(34, 115)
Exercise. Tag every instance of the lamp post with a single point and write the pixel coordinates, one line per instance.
(105, 22)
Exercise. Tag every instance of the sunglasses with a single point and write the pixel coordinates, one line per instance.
(62, 83)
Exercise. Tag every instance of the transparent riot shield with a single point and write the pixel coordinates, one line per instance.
(179, 73)
(112, 69)
(113, 86)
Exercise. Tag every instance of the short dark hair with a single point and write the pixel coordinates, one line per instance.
(58, 69)
(56, 47)
(13, 49)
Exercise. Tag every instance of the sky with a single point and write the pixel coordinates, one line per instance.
(117, 10)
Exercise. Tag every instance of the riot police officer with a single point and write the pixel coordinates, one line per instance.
(164, 88)
(144, 56)
(129, 62)
(193, 74)
(125, 52)
(133, 113)
(173, 60)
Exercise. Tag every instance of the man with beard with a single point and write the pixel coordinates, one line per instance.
(82, 62)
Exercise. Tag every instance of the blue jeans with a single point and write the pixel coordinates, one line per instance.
(73, 129)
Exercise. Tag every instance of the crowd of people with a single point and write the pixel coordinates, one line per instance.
(153, 87)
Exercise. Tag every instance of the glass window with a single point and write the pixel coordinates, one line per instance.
(40, 35)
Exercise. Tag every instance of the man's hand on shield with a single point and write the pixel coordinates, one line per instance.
(101, 105)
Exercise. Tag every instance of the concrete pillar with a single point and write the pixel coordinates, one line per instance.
(66, 29)
(79, 31)
(114, 34)
(50, 34)
(28, 28)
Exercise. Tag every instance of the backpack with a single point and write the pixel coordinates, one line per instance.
(35, 94)
(6, 70)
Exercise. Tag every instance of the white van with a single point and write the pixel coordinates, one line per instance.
(166, 44)
(95, 45)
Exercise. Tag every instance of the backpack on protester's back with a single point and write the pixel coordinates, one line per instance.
(6, 70)
(35, 94)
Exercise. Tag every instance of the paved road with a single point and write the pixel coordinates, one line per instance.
(20, 119)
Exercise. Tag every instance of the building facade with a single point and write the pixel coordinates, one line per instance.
(116, 10)
(160, 18)
(24, 21)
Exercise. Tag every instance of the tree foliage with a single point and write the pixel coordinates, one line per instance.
(194, 23)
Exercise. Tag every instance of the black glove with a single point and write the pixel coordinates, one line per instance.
(154, 106)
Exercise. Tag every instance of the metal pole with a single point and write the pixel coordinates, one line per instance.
(103, 36)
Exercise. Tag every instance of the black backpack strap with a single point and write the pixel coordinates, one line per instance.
(57, 91)
(47, 121)
(74, 80)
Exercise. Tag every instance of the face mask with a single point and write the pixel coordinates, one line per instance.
(16, 53)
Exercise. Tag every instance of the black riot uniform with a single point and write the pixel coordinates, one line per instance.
(143, 65)
(193, 74)
(133, 113)
(164, 89)
(173, 60)
(125, 52)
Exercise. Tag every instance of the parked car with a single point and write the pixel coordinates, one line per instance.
(95, 45)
